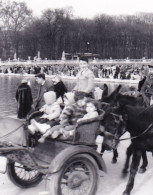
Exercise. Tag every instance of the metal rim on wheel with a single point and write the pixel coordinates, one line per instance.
(22, 176)
(78, 176)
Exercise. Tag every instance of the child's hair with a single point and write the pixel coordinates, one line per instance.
(79, 95)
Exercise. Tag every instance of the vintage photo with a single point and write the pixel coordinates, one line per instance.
(76, 101)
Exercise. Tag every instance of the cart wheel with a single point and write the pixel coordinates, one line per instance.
(78, 176)
(22, 176)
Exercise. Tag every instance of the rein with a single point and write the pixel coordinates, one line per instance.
(11, 132)
(134, 137)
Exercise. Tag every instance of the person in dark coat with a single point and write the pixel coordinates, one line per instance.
(147, 89)
(59, 87)
(24, 99)
(44, 86)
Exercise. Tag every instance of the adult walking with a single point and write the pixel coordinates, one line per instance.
(44, 86)
(24, 99)
(85, 79)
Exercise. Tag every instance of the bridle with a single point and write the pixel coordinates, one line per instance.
(118, 120)
(143, 133)
(115, 137)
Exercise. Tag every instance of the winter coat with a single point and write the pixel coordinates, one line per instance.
(85, 81)
(39, 101)
(24, 99)
(71, 114)
(60, 89)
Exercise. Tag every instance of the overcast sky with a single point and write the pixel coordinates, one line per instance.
(90, 8)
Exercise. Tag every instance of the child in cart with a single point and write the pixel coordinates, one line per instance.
(83, 109)
(51, 111)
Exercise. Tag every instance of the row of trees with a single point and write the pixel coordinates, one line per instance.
(58, 30)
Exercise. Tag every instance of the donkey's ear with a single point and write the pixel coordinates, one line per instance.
(115, 92)
(105, 90)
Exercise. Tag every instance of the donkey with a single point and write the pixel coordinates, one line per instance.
(111, 100)
(119, 99)
(139, 123)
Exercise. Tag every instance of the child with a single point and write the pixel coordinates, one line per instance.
(91, 109)
(51, 111)
(69, 116)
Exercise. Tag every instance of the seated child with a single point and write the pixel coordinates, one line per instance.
(91, 109)
(51, 110)
(69, 116)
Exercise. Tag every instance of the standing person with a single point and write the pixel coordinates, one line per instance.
(85, 79)
(147, 89)
(59, 87)
(44, 86)
(24, 99)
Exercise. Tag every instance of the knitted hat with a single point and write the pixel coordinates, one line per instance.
(50, 97)
(70, 97)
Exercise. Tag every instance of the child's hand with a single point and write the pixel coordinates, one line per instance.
(44, 116)
(65, 133)
(42, 109)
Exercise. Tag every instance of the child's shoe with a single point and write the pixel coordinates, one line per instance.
(42, 127)
(32, 129)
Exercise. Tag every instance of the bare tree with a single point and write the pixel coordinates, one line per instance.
(14, 16)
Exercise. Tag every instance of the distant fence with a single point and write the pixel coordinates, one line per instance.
(76, 62)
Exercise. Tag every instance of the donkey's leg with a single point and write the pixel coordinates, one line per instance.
(128, 155)
(102, 149)
(115, 155)
(133, 170)
(145, 162)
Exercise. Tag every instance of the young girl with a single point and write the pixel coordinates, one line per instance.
(91, 109)
(51, 110)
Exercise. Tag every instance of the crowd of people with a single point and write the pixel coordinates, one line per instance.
(55, 112)
(125, 71)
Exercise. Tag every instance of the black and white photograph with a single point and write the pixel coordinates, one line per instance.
(76, 100)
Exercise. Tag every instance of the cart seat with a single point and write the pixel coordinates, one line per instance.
(86, 132)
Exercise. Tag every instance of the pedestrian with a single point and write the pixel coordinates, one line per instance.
(24, 99)
(85, 79)
(147, 89)
(44, 86)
